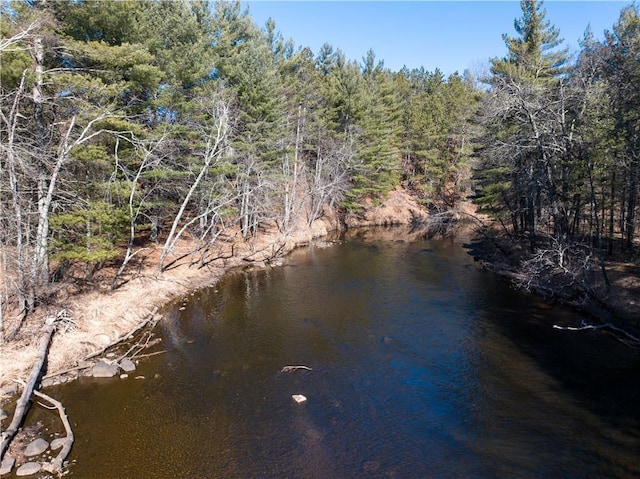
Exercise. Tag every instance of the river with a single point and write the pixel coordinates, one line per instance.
(422, 365)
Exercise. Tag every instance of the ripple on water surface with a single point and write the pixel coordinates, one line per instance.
(423, 366)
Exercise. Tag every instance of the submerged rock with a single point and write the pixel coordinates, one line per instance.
(127, 365)
(48, 382)
(36, 447)
(9, 390)
(28, 469)
(7, 465)
(57, 443)
(103, 369)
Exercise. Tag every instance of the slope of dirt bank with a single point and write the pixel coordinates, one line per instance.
(399, 208)
(103, 317)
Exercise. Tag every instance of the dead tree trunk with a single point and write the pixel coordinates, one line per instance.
(215, 140)
(55, 466)
(22, 405)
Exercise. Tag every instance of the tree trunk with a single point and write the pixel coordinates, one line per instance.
(214, 143)
(631, 205)
(40, 266)
(611, 212)
(23, 402)
(57, 463)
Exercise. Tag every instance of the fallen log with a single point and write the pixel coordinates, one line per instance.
(55, 466)
(23, 402)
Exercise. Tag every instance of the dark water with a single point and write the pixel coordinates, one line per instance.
(423, 366)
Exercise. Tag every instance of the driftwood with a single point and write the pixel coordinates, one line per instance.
(23, 402)
(150, 319)
(148, 355)
(144, 343)
(620, 334)
(68, 370)
(55, 466)
(288, 369)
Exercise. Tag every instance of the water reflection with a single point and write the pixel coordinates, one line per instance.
(423, 366)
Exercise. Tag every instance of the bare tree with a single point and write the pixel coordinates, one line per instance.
(151, 155)
(561, 263)
(214, 136)
(11, 151)
(14, 42)
(329, 174)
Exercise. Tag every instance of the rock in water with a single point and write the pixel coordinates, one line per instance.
(127, 365)
(58, 443)
(36, 447)
(103, 369)
(299, 398)
(28, 469)
(7, 465)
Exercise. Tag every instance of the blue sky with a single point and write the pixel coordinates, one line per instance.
(450, 35)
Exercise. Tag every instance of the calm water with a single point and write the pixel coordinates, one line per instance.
(423, 366)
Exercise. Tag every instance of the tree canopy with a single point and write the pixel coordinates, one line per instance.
(128, 122)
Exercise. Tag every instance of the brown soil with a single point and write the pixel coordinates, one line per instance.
(398, 208)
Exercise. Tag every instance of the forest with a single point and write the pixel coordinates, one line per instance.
(125, 123)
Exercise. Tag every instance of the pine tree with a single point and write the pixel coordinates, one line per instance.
(377, 169)
(522, 113)
(622, 72)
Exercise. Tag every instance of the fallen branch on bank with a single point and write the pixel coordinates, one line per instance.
(22, 406)
(68, 370)
(151, 318)
(55, 466)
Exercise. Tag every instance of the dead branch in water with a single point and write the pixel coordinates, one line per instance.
(153, 316)
(55, 466)
(144, 343)
(22, 406)
(148, 355)
(627, 338)
(288, 369)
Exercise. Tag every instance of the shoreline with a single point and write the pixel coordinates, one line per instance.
(103, 318)
(616, 308)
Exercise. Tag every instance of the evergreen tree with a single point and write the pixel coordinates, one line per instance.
(622, 72)
(522, 114)
(377, 167)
